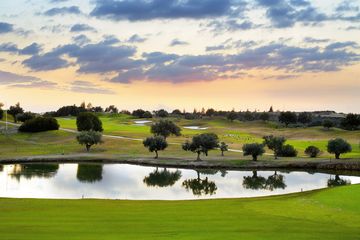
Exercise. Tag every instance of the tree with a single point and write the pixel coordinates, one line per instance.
(1, 113)
(338, 146)
(28, 171)
(165, 128)
(163, 178)
(176, 112)
(89, 138)
(231, 115)
(275, 181)
(254, 182)
(112, 109)
(139, 113)
(202, 143)
(264, 116)
(312, 151)
(87, 121)
(351, 122)
(271, 109)
(200, 186)
(223, 148)
(39, 124)
(287, 118)
(337, 181)
(155, 144)
(288, 151)
(22, 117)
(210, 112)
(14, 110)
(254, 150)
(274, 143)
(304, 117)
(89, 173)
(328, 124)
(162, 113)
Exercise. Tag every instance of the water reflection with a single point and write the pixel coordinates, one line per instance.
(337, 181)
(122, 181)
(200, 186)
(29, 171)
(89, 173)
(255, 182)
(162, 178)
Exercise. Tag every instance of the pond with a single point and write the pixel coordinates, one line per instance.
(196, 128)
(141, 122)
(122, 181)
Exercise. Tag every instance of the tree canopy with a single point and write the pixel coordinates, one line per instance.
(202, 143)
(87, 121)
(165, 128)
(155, 144)
(338, 146)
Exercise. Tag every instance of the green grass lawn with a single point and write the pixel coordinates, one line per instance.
(325, 214)
(234, 133)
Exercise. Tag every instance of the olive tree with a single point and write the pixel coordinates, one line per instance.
(312, 151)
(328, 124)
(155, 144)
(87, 121)
(165, 128)
(89, 138)
(338, 146)
(254, 150)
(274, 143)
(202, 143)
(14, 110)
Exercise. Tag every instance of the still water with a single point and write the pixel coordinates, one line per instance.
(122, 181)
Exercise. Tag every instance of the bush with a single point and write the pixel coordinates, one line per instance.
(39, 124)
(87, 121)
(312, 151)
(253, 149)
(288, 151)
(22, 117)
(338, 146)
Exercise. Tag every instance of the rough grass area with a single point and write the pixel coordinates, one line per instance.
(325, 214)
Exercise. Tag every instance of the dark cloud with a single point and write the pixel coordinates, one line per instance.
(177, 42)
(62, 11)
(6, 27)
(82, 28)
(16, 80)
(136, 39)
(139, 10)
(340, 45)
(81, 39)
(230, 25)
(32, 49)
(45, 62)
(80, 86)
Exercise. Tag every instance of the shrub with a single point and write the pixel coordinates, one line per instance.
(89, 138)
(312, 151)
(253, 149)
(155, 144)
(39, 124)
(338, 146)
(288, 151)
(22, 117)
(87, 121)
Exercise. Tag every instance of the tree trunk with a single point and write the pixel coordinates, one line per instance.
(88, 146)
(198, 156)
(254, 157)
(222, 153)
(157, 155)
(337, 155)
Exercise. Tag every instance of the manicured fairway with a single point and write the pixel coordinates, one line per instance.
(325, 214)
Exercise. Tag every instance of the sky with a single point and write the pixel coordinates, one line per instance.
(297, 55)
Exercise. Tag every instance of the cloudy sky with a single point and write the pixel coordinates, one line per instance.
(242, 54)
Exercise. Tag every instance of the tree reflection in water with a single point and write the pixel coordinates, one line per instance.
(29, 171)
(89, 173)
(162, 178)
(255, 182)
(200, 186)
(337, 181)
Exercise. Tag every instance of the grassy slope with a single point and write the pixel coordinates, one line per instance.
(234, 133)
(326, 214)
